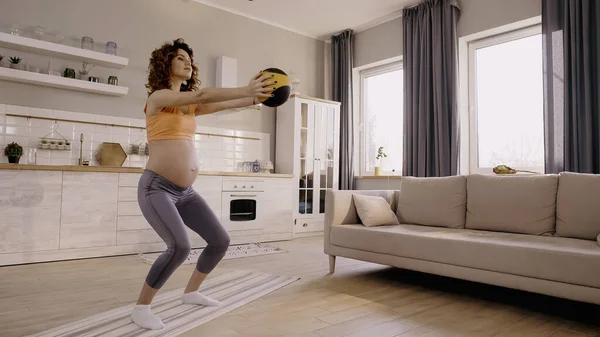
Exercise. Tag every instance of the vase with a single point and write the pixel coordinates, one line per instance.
(14, 160)
(377, 170)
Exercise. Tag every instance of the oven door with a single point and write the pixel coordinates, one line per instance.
(240, 210)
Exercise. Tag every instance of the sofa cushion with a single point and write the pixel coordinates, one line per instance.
(546, 257)
(517, 204)
(374, 210)
(433, 201)
(578, 209)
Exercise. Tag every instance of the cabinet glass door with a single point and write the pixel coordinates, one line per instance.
(307, 159)
(327, 153)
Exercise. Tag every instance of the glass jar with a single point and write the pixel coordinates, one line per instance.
(87, 43)
(14, 30)
(113, 80)
(111, 48)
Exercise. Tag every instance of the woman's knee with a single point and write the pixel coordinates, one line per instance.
(181, 250)
(224, 240)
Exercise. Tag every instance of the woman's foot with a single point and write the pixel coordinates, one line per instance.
(199, 299)
(143, 317)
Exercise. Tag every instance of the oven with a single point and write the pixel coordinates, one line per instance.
(242, 203)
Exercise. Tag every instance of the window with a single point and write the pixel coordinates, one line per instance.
(506, 101)
(381, 118)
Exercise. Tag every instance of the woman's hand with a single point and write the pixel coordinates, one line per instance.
(257, 86)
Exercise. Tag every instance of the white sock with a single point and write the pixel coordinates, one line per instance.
(196, 298)
(143, 317)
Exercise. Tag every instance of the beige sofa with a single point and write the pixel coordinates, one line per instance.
(537, 233)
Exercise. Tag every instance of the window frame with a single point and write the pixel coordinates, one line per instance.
(361, 75)
(472, 46)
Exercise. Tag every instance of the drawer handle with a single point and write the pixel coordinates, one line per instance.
(305, 225)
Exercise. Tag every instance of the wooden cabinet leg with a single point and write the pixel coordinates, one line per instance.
(331, 264)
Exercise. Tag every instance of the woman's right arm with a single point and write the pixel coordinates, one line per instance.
(166, 98)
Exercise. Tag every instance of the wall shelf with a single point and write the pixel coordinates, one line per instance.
(23, 76)
(61, 51)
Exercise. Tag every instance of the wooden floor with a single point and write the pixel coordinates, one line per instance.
(360, 300)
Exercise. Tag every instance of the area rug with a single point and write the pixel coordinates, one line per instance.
(233, 289)
(233, 252)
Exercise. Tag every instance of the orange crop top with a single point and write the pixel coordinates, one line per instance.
(171, 123)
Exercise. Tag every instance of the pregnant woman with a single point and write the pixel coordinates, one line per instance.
(165, 193)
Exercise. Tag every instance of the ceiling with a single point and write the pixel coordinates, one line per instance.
(318, 19)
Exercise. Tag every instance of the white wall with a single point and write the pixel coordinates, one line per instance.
(214, 153)
(385, 41)
(139, 26)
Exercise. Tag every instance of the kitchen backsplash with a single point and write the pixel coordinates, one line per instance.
(215, 153)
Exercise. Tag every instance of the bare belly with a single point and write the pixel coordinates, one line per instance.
(175, 160)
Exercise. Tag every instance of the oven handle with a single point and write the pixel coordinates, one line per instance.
(243, 195)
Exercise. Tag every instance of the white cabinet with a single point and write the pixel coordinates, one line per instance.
(88, 210)
(307, 146)
(30, 209)
(58, 215)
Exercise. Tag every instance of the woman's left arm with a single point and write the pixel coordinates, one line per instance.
(209, 108)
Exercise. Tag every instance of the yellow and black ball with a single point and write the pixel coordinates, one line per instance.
(282, 88)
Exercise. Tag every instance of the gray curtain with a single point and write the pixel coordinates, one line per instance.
(431, 141)
(342, 54)
(571, 38)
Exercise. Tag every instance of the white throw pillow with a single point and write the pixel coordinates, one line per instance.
(374, 211)
(598, 239)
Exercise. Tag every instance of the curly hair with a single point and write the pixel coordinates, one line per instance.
(159, 68)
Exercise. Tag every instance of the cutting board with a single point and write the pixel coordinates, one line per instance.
(111, 154)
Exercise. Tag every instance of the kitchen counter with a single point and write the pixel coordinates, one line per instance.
(120, 169)
(53, 213)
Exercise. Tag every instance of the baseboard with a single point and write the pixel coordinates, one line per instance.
(78, 253)
(307, 234)
(534, 285)
(7, 259)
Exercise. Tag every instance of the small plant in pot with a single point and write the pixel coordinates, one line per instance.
(14, 62)
(14, 152)
(380, 155)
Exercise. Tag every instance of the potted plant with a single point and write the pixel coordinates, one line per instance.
(14, 62)
(68, 145)
(14, 152)
(380, 155)
(53, 144)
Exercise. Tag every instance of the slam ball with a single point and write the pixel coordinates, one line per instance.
(282, 88)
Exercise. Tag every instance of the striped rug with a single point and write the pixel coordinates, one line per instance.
(233, 289)
(233, 252)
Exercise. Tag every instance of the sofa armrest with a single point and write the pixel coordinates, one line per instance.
(340, 209)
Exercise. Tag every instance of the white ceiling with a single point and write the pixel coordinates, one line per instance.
(318, 19)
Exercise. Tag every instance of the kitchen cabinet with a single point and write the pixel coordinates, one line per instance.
(308, 147)
(59, 215)
(30, 204)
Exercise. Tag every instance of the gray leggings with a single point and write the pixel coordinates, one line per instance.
(168, 208)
